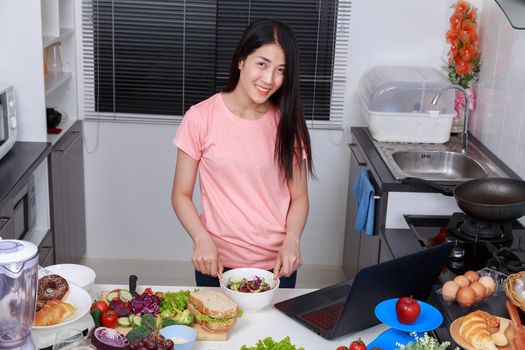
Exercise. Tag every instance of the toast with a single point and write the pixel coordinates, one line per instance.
(214, 311)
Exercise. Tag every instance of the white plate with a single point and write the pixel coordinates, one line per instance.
(77, 297)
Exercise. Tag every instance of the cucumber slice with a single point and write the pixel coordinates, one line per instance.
(124, 322)
(137, 320)
(112, 296)
(125, 295)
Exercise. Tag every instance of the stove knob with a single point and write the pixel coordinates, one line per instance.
(457, 253)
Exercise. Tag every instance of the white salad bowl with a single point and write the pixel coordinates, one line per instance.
(249, 301)
(81, 275)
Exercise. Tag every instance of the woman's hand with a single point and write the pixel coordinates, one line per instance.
(205, 256)
(288, 258)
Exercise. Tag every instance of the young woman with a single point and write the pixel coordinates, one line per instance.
(251, 149)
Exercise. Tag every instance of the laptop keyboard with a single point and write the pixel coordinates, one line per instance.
(324, 318)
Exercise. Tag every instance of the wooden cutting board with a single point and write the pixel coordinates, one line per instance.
(454, 332)
(201, 333)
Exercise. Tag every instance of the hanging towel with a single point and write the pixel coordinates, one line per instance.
(364, 193)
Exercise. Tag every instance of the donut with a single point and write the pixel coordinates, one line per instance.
(52, 287)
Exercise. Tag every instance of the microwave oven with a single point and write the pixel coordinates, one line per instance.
(18, 212)
(7, 118)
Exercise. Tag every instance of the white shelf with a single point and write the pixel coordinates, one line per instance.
(50, 40)
(64, 125)
(54, 80)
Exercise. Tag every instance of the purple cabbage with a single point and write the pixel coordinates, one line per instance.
(108, 339)
(145, 304)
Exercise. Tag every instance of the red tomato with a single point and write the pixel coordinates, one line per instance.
(407, 310)
(357, 345)
(148, 291)
(109, 319)
(101, 305)
(342, 347)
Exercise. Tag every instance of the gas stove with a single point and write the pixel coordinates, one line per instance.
(479, 244)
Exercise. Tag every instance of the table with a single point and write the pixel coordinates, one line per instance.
(268, 322)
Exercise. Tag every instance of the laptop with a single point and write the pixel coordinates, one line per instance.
(349, 306)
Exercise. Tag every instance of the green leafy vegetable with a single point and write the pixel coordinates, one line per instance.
(206, 318)
(270, 344)
(173, 302)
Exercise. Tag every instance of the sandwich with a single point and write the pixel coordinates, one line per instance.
(213, 310)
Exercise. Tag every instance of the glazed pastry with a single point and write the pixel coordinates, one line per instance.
(52, 287)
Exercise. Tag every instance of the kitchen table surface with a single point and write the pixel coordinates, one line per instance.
(268, 322)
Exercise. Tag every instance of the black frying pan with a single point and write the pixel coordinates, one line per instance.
(489, 198)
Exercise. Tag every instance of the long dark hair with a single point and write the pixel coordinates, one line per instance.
(292, 133)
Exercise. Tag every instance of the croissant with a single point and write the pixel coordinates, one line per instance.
(53, 312)
(475, 329)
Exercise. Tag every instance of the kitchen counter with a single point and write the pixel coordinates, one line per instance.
(385, 179)
(269, 322)
(19, 163)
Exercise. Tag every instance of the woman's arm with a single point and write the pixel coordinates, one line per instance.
(205, 257)
(289, 257)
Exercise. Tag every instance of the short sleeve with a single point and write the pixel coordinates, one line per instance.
(189, 134)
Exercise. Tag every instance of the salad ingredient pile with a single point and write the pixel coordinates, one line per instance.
(257, 285)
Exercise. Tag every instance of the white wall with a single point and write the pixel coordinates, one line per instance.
(129, 174)
(498, 120)
(21, 64)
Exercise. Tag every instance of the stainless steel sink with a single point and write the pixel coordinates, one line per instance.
(437, 162)
(438, 165)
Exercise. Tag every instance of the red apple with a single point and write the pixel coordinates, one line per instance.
(407, 310)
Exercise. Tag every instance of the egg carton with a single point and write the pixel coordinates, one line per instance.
(499, 277)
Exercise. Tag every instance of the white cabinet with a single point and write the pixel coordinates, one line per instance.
(58, 36)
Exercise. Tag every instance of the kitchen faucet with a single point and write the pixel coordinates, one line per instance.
(464, 134)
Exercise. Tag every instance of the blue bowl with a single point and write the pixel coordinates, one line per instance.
(180, 332)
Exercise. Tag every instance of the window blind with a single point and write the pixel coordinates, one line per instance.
(149, 61)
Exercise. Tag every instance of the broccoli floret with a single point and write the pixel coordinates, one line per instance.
(149, 321)
(166, 321)
(185, 318)
(137, 334)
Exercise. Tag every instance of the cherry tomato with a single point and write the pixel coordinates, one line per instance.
(357, 345)
(342, 347)
(109, 319)
(101, 305)
(148, 291)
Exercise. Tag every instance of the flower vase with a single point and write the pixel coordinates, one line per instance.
(459, 107)
(457, 122)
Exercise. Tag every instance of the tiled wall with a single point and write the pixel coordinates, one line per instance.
(499, 117)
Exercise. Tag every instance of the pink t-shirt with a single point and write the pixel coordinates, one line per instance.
(244, 196)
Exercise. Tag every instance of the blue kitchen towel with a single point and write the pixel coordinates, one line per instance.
(364, 192)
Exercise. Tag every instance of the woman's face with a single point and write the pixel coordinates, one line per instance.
(262, 72)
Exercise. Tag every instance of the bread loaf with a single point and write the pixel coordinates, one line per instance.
(53, 312)
(475, 329)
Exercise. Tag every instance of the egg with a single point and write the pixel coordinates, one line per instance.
(466, 297)
(489, 284)
(472, 276)
(462, 281)
(449, 290)
(479, 289)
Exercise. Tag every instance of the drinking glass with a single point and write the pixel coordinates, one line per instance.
(69, 339)
(54, 60)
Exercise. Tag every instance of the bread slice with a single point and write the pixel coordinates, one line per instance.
(214, 304)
